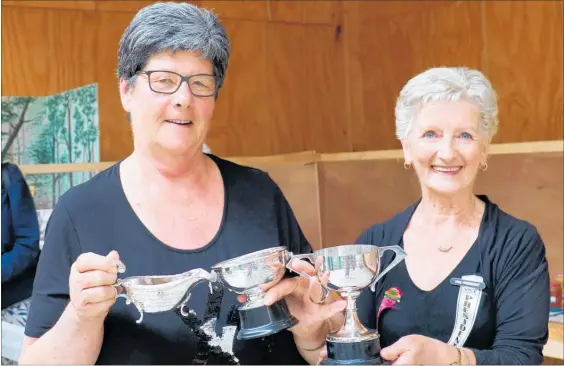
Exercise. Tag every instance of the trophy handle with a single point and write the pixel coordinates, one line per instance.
(128, 300)
(184, 304)
(400, 255)
(310, 257)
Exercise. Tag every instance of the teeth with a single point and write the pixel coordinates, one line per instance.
(446, 169)
(179, 121)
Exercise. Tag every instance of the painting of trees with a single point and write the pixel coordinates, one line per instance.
(62, 128)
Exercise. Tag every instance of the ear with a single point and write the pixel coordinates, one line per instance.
(406, 153)
(484, 150)
(125, 91)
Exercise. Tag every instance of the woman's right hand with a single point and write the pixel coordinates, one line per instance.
(90, 285)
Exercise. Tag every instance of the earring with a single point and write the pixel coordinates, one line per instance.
(406, 165)
(484, 166)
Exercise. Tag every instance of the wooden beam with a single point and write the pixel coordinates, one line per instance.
(64, 168)
(307, 157)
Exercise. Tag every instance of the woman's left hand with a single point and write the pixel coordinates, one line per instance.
(418, 349)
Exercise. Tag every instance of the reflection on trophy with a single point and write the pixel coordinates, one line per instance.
(351, 269)
(251, 275)
(157, 294)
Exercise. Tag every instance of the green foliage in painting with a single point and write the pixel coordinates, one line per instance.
(62, 128)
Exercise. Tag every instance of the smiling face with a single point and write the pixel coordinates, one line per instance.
(446, 146)
(173, 124)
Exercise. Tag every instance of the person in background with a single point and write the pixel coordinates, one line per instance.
(20, 237)
(446, 118)
(166, 209)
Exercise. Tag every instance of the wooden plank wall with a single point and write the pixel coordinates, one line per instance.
(306, 75)
(357, 194)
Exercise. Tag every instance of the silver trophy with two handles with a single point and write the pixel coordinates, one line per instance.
(352, 268)
(252, 275)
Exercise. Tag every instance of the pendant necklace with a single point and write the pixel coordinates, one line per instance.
(445, 250)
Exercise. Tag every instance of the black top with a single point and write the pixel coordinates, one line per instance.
(511, 325)
(96, 217)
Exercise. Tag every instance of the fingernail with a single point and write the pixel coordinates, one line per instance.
(120, 266)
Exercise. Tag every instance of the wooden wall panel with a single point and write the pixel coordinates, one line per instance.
(240, 123)
(68, 52)
(395, 49)
(306, 12)
(307, 75)
(526, 67)
(236, 9)
(48, 4)
(357, 194)
(122, 5)
(25, 65)
(306, 88)
(67, 41)
(530, 187)
(115, 133)
(239, 9)
(299, 184)
(376, 11)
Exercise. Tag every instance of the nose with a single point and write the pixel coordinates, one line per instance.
(446, 150)
(183, 96)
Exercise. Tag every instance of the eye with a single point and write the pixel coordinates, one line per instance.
(466, 136)
(429, 134)
(165, 81)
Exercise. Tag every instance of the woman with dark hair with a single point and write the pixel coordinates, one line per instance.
(166, 209)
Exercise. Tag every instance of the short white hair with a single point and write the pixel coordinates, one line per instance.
(447, 84)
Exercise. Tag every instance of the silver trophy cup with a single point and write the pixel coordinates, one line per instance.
(157, 294)
(352, 268)
(251, 275)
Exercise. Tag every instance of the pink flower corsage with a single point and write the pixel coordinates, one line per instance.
(391, 297)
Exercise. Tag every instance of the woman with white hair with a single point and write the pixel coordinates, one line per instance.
(474, 288)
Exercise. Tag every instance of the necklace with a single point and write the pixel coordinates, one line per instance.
(445, 250)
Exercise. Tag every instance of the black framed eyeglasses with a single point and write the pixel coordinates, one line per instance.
(168, 82)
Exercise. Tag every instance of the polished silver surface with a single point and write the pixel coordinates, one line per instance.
(351, 269)
(253, 273)
(155, 294)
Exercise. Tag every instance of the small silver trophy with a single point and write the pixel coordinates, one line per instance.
(157, 294)
(251, 275)
(352, 268)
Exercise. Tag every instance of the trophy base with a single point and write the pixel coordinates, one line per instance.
(263, 321)
(366, 352)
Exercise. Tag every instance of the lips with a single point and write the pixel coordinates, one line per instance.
(446, 169)
(180, 122)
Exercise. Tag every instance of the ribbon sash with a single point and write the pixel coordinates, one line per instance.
(468, 305)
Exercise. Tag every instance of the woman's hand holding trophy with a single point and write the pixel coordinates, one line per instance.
(273, 301)
(312, 304)
(90, 286)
